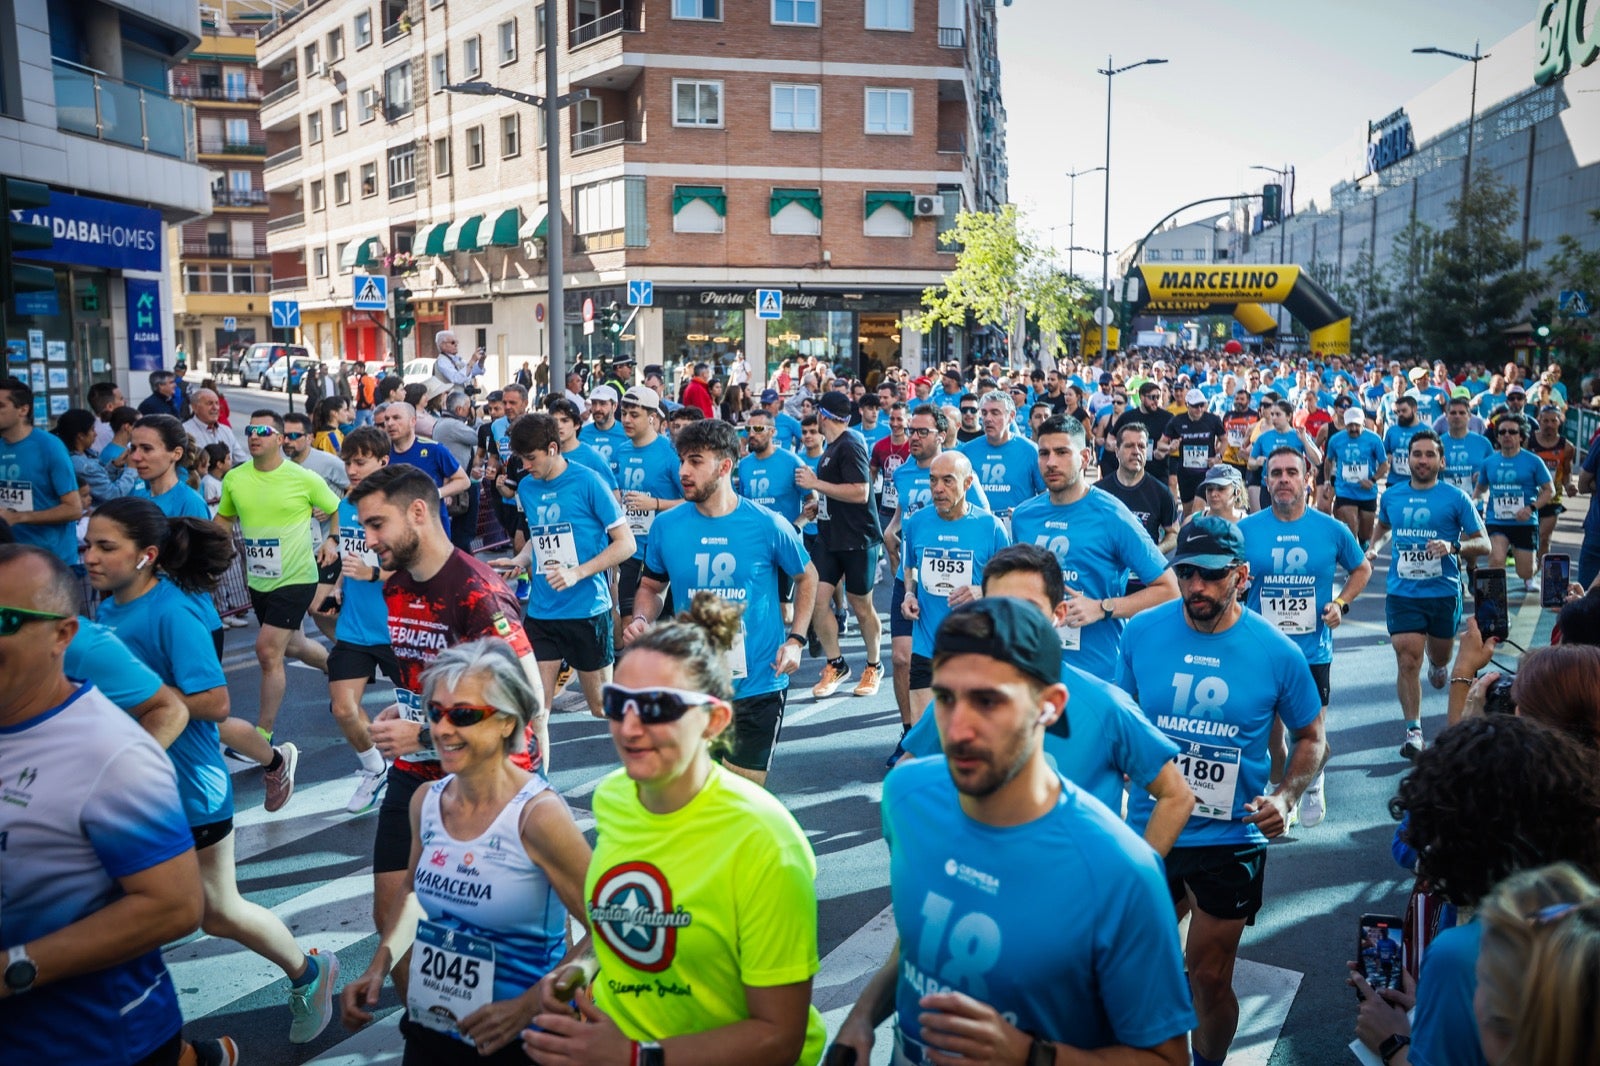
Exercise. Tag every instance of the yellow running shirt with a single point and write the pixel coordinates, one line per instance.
(691, 907)
(274, 511)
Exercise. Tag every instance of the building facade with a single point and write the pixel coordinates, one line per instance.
(85, 110)
(818, 147)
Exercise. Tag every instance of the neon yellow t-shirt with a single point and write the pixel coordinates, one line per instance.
(274, 509)
(691, 907)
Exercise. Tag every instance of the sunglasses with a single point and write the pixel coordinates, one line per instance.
(294, 436)
(460, 717)
(1187, 571)
(654, 706)
(1508, 433)
(14, 618)
(259, 431)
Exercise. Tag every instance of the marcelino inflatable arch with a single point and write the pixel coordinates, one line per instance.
(1241, 290)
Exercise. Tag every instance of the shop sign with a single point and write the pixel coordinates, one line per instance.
(90, 232)
(1563, 40)
(144, 323)
(1389, 140)
(793, 299)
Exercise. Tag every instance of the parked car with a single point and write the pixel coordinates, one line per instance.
(295, 368)
(417, 370)
(258, 358)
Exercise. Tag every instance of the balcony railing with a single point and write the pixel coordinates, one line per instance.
(228, 146)
(282, 92)
(286, 222)
(396, 30)
(236, 94)
(604, 26)
(206, 284)
(94, 105)
(952, 37)
(278, 159)
(599, 136)
(238, 197)
(953, 141)
(282, 284)
(224, 249)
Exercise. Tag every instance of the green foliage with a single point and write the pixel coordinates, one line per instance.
(1574, 267)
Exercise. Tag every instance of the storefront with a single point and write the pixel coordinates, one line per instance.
(597, 348)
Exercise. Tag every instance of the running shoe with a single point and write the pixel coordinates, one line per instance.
(369, 787)
(1438, 675)
(234, 621)
(564, 676)
(871, 678)
(1413, 744)
(222, 1051)
(312, 1004)
(832, 678)
(1314, 804)
(280, 782)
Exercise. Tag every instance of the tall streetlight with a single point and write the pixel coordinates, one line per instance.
(1472, 115)
(554, 237)
(1072, 212)
(1110, 72)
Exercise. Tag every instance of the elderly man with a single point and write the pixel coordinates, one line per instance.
(450, 366)
(206, 428)
(574, 391)
(163, 398)
(453, 428)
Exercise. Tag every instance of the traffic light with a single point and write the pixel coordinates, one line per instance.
(15, 277)
(1539, 318)
(1272, 203)
(613, 320)
(405, 316)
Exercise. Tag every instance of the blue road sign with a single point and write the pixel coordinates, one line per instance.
(641, 293)
(1574, 304)
(230, 324)
(769, 303)
(371, 293)
(285, 314)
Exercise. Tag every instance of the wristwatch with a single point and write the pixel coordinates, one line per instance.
(1344, 607)
(1042, 1052)
(1105, 605)
(425, 738)
(648, 1053)
(20, 970)
(798, 638)
(1391, 1046)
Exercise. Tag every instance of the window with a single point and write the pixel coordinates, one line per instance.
(338, 253)
(696, 103)
(369, 179)
(699, 208)
(797, 211)
(888, 110)
(1152, 255)
(598, 208)
(439, 70)
(319, 199)
(314, 127)
(363, 29)
(235, 84)
(341, 187)
(402, 171)
(313, 60)
(338, 116)
(508, 42)
(475, 147)
(1200, 255)
(238, 132)
(888, 14)
(538, 27)
(335, 44)
(697, 9)
(794, 12)
(947, 221)
(888, 214)
(397, 91)
(1177, 255)
(510, 137)
(319, 262)
(366, 105)
(472, 57)
(239, 183)
(796, 107)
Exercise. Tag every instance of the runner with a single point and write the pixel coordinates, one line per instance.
(1006, 465)
(399, 420)
(38, 491)
(1358, 461)
(1518, 486)
(1194, 441)
(647, 474)
(1559, 458)
(1434, 524)
(1465, 448)
(887, 455)
(1150, 500)
(1397, 440)
(785, 427)
(1212, 677)
(738, 551)
(975, 840)
(1280, 433)
(721, 875)
(766, 476)
(568, 421)
(1294, 554)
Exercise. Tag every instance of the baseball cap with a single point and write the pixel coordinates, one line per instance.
(622, 360)
(768, 395)
(1418, 373)
(643, 396)
(1004, 628)
(1194, 396)
(1106, 379)
(1222, 474)
(922, 381)
(834, 404)
(1516, 390)
(603, 393)
(1209, 542)
(1355, 417)
(1460, 392)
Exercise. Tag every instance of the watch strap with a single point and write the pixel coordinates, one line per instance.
(1041, 1052)
(797, 638)
(1392, 1045)
(20, 971)
(648, 1053)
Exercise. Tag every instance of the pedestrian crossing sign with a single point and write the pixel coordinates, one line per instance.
(371, 293)
(769, 303)
(1574, 303)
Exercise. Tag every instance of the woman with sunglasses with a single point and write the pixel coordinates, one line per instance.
(702, 889)
(486, 918)
(153, 566)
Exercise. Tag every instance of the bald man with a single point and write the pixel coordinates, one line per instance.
(399, 420)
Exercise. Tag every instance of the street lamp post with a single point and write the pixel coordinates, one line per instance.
(1475, 58)
(1072, 213)
(1110, 72)
(1285, 176)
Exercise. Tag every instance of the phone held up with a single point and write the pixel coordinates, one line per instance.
(1489, 602)
(1556, 574)
(1380, 950)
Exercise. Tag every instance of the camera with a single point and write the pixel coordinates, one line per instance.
(1498, 699)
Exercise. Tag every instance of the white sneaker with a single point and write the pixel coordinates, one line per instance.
(234, 621)
(1314, 804)
(1413, 743)
(1438, 675)
(368, 787)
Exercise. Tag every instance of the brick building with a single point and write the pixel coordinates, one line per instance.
(815, 146)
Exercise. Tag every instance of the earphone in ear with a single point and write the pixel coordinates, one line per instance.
(141, 564)
(1046, 710)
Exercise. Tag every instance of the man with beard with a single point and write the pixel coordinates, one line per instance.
(1212, 676)
(1397, 440)
(976, 839)
(1155, 419)
(1194, 440)
(1150, 501)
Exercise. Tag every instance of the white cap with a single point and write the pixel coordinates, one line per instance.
(603, 393)
(1194, 396)
(1355, 417)
(643, 396)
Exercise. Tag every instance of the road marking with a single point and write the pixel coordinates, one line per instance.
(376, 1045)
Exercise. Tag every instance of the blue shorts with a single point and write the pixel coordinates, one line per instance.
(1437, 616)
(899, 624)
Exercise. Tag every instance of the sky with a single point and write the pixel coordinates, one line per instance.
(1245, 82)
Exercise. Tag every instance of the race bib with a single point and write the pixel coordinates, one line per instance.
(640, 521)
(1506, 507)
(1354, 473)
(1213, 774)
(944, 570)
(1400, 463)
(1460, 481)
(16, 495)
(1071, 637)
(822, 507)
(1005, 520)
(263, 558)
(1415, 565)
(356, 544)
(452, 975)
(1291, 610)
(890, 497)
(737, 665)
(411, 710)
(1196, 457)
(1236, 438)
(553, 546)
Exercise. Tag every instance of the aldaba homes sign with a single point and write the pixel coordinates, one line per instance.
(101, 233)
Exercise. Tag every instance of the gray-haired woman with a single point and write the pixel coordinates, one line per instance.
(497, 863)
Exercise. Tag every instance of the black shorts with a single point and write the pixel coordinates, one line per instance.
(1551, 510)
(1189, 485)
(1322, 674)
(284, 607)
(856, 567)
(585, 644)
(757, 721)
(327, 575)
(427, 1047)
(211, 833)
(899, 624)
(1369, 506)
(1251, 477)
(628, 574)
(1226, 879)
(362, 662)
(1522, 538)
(921, 672)
(391, 845)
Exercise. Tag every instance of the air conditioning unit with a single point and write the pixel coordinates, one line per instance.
(928, 207)
(317, 69)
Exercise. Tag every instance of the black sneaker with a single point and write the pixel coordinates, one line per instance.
(895, 756)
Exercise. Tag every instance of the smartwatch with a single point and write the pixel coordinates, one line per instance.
(1391, 1046)
(799, 639)
(648, 1053)
(1344, 607)
(21, 971)
(425, 738)
(1041, 1052)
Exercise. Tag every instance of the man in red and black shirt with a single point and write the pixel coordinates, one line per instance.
(887, 455)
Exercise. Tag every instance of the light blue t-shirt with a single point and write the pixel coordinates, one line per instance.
(912, 489)
(1417, 516)
(770, 482)
(569, 520)
(1215, 695)
(608, 442)
(167, 633)
(738, 557)
(1463, 458)
(180, 501)
(96, 654)
(1513, 484)
(363, 616)
(1397, 442)
(500, 433)
(1271, 440)
(586, 455)
(1292, 567)
(813, 461)
(787, 431)
(944, 555)
(875, 434)
(1105, 969)
(1098, 543)
(1009, 474)
(1356, 459)
(36, 475)
(652, 470)
(1430, 402)
(1444, 1031)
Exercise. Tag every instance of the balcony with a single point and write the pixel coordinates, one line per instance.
(278, 159)
(225, 198)
(282, 92)
(286, 222)
(93, 105)
(599, 51)
(248, 93)
(953, 142)
(229, 146)
(616, 22)
(600, 136)
(223, 250)
(220, 281)
(952, 37)
(397, 29)
(286, 284)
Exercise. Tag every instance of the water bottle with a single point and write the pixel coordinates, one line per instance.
(523, 587)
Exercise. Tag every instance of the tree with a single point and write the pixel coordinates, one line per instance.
(1475, 287)
(1365, 294)
(1575, 267)
(1392, 316)
(1002, 273)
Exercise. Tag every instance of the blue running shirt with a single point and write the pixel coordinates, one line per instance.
(608, 442)
(1009, 474)
(1417, 516)
(911, 486)
(1513, 484)
(1292, 567)
(652, 470)
(770, 482)
(1463, 458)
(584, 455)
(1397, 442)
(36, 475)
(569, 522)
(363, 616)
(944, 555)
(1356, 459)
(96, 655)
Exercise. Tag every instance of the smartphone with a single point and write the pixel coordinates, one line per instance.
(1556, 575)
(1381, 950)
(839, 1055)
(1489, 602)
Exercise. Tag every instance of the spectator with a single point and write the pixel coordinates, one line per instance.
(163, 398)
(121, 422)
(104, 397)
(75, 429)
(207, 427)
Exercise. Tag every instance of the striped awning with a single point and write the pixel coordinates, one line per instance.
(462, 236)
(430, 239)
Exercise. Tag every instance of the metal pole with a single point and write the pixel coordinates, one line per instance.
(555, 238)
(1105, 230)
(1472, 121)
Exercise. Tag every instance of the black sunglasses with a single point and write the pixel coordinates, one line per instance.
(460, 717)
(294, 436)
(1187, 571)
(14, 618)
(654, 706)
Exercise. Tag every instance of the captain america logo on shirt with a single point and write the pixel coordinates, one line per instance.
(631, 910)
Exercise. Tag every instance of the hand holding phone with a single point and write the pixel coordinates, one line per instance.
(1556, 575)
(1380, 950)
(1489, 602)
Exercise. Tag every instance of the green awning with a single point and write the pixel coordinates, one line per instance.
(429, 239)
(503, 227)
(713, 195)
(810, 199)
(536, 226)
(359, 253)
(462, 236)
(904, 201)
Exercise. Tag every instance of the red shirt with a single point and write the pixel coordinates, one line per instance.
(695, 394)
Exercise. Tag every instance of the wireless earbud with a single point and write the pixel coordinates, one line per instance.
(1044, 714)
(141, 564)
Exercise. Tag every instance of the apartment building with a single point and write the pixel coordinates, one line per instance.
(818, 147)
